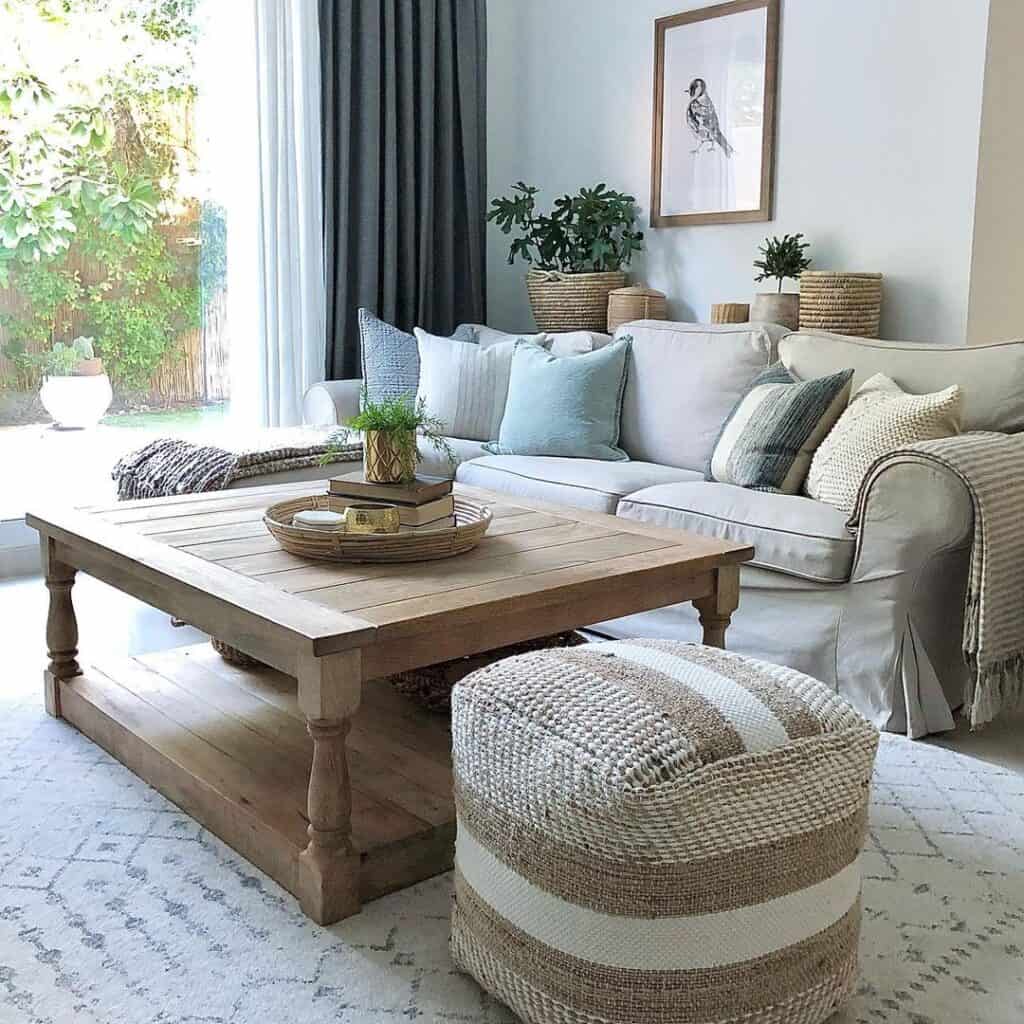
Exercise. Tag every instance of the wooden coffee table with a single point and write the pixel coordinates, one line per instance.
(331, 783)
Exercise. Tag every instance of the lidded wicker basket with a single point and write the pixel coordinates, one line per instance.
(635, 303)
(571, 302)
(841, 302)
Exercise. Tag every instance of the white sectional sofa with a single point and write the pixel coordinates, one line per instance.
(875, 613)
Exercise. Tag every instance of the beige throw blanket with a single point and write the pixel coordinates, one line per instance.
(991, 467)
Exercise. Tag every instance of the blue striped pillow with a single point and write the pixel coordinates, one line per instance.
(771, 435)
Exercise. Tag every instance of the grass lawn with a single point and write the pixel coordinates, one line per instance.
(176, 420)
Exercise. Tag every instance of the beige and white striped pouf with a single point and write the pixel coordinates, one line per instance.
(656, 832)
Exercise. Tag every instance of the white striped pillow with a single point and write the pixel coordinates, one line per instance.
(464, 386)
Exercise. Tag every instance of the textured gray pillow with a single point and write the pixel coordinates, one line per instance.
(391, 359)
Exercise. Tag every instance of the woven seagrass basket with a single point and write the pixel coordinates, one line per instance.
(844, 303)
(571, 302)
(471, 522)
(635, 303)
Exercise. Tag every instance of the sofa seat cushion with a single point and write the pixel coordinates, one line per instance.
(592, 484)
(789, 533)
(435, 463)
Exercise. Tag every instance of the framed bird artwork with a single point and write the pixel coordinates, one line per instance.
(713, 150)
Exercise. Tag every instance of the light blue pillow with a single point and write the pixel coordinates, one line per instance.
(391, 357)
(564, 405)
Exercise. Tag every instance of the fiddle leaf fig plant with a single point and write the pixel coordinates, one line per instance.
(781, 258)
(591, 231)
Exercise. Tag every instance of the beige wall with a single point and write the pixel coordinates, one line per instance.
(996, 306)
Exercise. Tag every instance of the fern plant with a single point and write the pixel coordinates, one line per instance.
(404, 420)
(591, 231)
(781, 258)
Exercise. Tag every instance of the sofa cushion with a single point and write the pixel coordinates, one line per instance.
(770, 437)
(464, 386)
(583, 483)
(789, 533)
(434, 463)
(564, 405)
(682, 382)
(880, 419)
(991, 376)
(559, 343)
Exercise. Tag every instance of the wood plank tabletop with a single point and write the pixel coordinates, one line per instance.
(535, 555)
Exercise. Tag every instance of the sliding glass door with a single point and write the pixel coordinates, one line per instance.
(119, 150)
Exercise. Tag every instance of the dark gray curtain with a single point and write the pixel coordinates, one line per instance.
(404, 102)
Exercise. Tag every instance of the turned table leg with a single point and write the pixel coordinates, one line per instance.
(61, 629)
(716, 609)
(328, 880)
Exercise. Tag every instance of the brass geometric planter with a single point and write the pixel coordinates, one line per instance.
(386, 459)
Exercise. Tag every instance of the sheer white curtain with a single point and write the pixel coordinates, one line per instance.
(275, 255)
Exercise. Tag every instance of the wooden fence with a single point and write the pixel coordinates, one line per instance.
(194, 369)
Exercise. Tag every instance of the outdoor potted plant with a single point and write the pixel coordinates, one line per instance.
(781, 258)
(391, 429)
(576, 252)
(75, 390)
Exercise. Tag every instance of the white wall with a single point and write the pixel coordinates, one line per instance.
(995, 311)
(876, 159)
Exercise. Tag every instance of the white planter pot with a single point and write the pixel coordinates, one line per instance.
(76, 401)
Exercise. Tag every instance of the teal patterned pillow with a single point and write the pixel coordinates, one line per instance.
(564, 405)
(770, 437)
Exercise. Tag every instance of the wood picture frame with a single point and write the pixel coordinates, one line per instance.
(710, 169)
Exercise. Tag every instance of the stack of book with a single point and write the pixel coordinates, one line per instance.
(424, 504)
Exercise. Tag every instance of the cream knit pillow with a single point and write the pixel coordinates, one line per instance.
(880, 418)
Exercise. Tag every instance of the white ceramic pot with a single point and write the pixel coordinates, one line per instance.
(76, 402)
(777, 308)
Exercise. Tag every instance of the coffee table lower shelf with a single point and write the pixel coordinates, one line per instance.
(229, 746)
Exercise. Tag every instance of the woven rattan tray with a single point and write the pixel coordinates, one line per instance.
(471, 522)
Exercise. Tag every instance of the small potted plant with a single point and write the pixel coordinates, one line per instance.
(75, 390)
(781, 258)
(576, 252)
(391, 430)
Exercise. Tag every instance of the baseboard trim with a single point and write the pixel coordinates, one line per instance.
(19, 549)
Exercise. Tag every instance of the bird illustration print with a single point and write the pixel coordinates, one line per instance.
(703, 119)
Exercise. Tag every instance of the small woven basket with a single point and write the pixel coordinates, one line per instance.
(571, 302)
(843, 303)
(635, 303)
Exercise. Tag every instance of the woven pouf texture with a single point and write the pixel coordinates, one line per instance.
(659, 832)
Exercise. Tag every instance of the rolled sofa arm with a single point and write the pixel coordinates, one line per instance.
(908, 512)
(331, 402)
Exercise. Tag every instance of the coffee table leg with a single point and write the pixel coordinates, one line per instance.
(329, 866)
(61, 628)
(716, 609)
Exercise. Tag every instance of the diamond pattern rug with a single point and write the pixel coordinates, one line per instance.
(116, 908)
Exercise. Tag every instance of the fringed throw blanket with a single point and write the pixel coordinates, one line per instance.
(175, 466)
(991, 467)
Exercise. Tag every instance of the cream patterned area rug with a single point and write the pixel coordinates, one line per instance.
(116, 908)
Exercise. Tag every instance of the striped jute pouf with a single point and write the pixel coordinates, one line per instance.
(652, 831)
